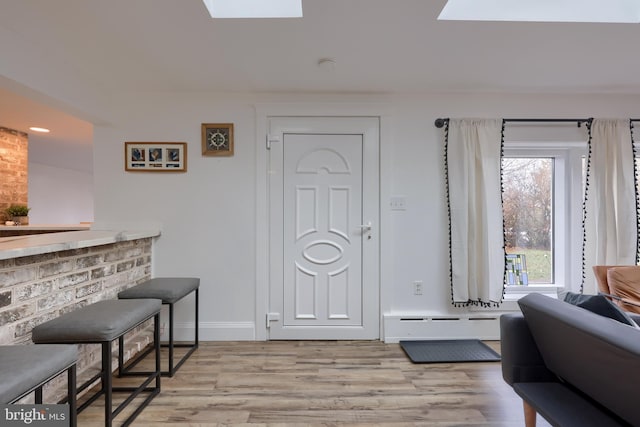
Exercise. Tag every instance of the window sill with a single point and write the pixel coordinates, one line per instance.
(517, 292)
(513, 293)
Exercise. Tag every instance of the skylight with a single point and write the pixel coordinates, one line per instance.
(254, 8)
(610, 11)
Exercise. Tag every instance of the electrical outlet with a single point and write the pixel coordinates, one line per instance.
(417, 287)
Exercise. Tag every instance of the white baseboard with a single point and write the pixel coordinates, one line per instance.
(396, 328)
(212, 331)
(465, 326)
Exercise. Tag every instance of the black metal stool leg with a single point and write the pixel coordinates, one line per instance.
(107, 385)
(197, 316)
(171, 368)
(120, 355)
(156, 337)
(71, 396)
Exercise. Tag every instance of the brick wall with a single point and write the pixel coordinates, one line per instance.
(14, 160)
(37, 288)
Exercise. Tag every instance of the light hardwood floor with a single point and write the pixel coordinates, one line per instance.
(325, 383)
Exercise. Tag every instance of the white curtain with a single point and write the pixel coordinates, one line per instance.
(473, 163)
(611, 227)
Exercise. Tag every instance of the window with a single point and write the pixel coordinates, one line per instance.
(543, 190)
(527, 203)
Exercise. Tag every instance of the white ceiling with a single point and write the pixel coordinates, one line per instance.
(379, 46)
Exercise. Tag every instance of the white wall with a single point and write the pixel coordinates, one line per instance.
(59, 196)
(208, 215)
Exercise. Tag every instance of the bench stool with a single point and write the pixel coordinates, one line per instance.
(102, 323)
(170, 290)
(26, 368)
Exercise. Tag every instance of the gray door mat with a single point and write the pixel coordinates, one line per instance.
(449, 351)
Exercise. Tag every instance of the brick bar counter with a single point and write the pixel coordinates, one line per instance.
(45, 275)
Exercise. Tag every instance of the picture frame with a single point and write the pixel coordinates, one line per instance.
(155, 156)
(217, 139)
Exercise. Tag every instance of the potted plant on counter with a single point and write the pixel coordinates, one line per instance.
(18, 214)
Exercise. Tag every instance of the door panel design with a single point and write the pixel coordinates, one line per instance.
(339, 211)
(305, 293)
(323, 160)
(339, 294)
(307, 210)
(322, 252)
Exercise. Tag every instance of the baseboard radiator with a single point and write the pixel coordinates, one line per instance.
(467, 326)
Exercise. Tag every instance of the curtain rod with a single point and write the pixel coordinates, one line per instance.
(441, 122)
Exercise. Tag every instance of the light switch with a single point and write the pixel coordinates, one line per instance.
(398, 203)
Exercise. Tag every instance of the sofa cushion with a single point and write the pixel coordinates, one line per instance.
(599, 304)
(597, 355)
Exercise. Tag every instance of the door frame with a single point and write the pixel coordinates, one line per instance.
(263, 113)
(363, 136)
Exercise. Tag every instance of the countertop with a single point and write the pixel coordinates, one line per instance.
(36, 244)
(47, 227)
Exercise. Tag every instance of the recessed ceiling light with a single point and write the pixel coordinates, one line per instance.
(254, 8)
(37, 129)
(610, 11)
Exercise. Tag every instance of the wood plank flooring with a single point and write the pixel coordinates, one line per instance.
(323, 383)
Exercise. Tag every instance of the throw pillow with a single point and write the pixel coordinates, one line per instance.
(599, 304)
(625, 283)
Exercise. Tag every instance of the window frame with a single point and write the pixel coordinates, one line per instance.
(568, 197)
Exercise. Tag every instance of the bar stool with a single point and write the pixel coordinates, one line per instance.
(102, 323)
(170, 290)
(27, 368)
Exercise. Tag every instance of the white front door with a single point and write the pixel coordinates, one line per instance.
(324, 281)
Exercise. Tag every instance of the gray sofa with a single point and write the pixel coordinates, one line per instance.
(571, 366)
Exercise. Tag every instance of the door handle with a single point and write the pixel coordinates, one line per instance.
(366, 227)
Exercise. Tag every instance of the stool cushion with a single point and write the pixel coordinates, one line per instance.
(24, 367)
(99, 322)
(168, 289)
